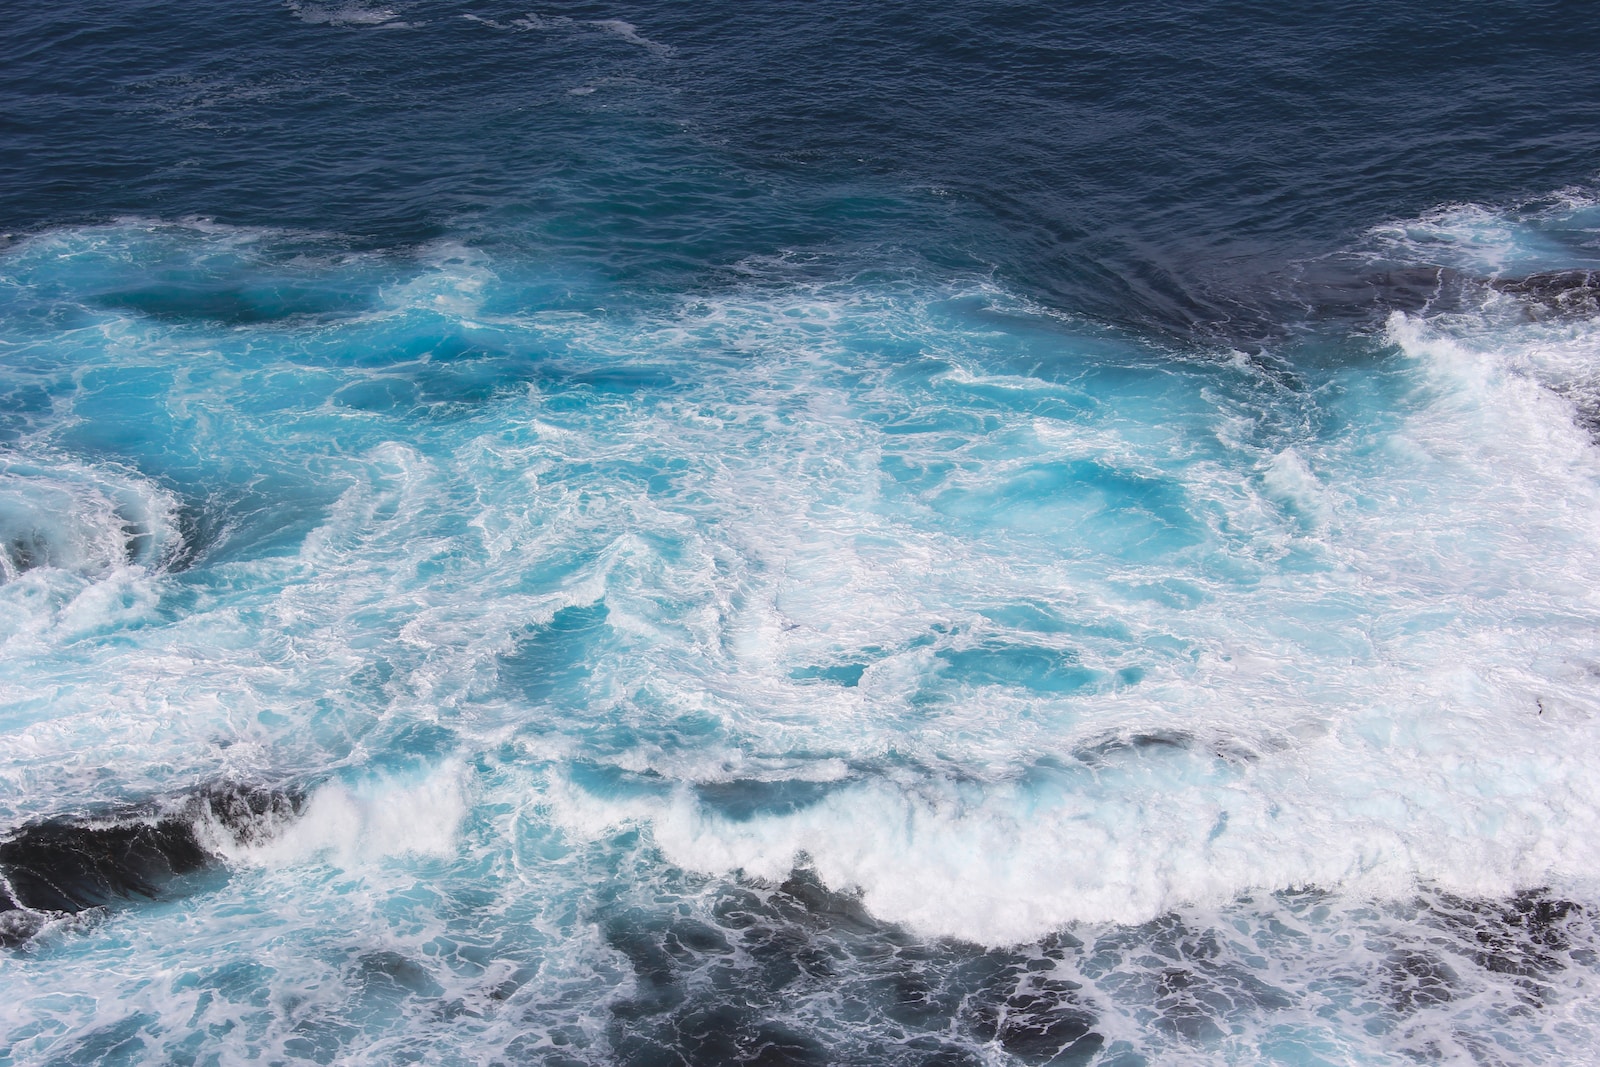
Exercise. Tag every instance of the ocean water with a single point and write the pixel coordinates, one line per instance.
(793, 534)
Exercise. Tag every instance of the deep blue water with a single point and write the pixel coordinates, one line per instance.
(823, 533)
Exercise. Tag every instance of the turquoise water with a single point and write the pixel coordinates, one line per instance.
(636, 603)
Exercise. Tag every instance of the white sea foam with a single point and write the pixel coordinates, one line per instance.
(67, 516)
(1367, 614)
(630, 33)
(1390, 688)
(348, 14)
(349, 825)
(1486, 240)
(1008, 861)
(820, 575)
(619, 28)
(81, 549)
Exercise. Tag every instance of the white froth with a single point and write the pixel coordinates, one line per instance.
(82, 550)
(1392, 690)
(347, 14)
(351, 825)
(1006, 862)
(1368, 645)
(630, 33)
(61, 515)
(1000, 654)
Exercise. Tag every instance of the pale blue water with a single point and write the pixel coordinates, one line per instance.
(657, 536)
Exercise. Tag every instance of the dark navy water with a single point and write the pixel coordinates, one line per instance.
(799, 533)
(1146, 165)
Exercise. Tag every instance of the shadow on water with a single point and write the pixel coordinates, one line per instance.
(230, 304)
(556, 658)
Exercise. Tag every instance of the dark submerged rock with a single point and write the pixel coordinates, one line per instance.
(1559, 292)
(1418, 979)
(65, 866)
(68, 865)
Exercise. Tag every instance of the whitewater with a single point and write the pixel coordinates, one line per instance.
(667, 638)
(989, 623)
